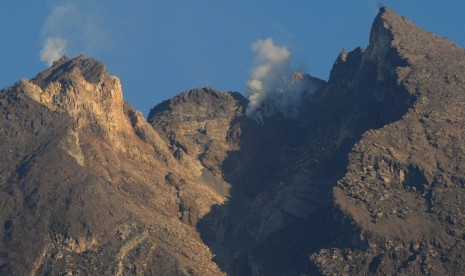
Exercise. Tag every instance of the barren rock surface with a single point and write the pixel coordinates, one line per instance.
(404, 182)
(84, 182)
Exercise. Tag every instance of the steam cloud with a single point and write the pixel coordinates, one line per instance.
(274, 88)
(54, 45)
(74, 28)
(53, 49)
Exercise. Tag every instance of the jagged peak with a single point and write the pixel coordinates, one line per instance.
(410, 43)
(385, 23)
(203, 96)
(80, 87)
(389, 18)
(384, 48)
(92, 70)
(199, 93)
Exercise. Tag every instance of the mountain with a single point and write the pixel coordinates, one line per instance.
(400, 196)
(88, 186)
(364, 178)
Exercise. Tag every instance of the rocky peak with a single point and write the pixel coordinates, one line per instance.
(381, 35)
(381, 58)
(196, 123)
(88, 171)
(91, 70)
(82, 88)
(200, 104)
(402, 178)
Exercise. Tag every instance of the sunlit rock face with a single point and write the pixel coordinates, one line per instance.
(85, 179)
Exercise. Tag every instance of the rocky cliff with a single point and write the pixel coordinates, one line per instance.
(88, 186)
(403, 185)
(364, 178)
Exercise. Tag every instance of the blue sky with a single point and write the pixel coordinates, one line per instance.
(161, 48)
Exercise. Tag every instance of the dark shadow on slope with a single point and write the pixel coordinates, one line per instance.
(316, 146)
(250, 171)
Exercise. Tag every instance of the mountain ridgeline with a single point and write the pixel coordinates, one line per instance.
(367, 177)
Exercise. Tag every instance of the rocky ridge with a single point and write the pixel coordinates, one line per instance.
(86, 184)
(402, 188)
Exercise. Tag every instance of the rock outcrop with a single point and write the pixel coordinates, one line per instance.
(85, 184)
(403, 186)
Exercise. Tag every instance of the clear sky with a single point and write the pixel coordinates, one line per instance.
(159, 48)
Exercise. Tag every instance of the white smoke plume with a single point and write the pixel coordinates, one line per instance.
(274, 88)
(72, 26)
(54, 48)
